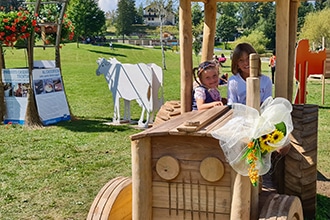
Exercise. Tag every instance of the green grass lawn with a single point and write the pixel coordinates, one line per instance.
(55, 172)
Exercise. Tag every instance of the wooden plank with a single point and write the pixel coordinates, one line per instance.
(186, 64)
(219, 123)
(241, 198)
(199, 148)
(163, 129)
(191, 197)
(209, 30)
(165, 214)
(142, 180)
(253, 100)
(293, 23)
(202, 118)
(282, 48)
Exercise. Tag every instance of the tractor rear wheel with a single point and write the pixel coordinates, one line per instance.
(114, 201)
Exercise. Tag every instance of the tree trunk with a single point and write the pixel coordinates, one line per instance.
(32, 118)
(2, 95)
(161, 42)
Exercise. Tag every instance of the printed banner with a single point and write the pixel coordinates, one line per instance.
(50, 97)
(16, 82)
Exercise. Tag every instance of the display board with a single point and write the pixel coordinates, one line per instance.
(50, 97)
(16, 83)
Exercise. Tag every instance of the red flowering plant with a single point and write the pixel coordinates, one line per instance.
(16, 25)
(49, 16)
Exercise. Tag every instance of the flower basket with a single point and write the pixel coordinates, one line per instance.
(16, 25)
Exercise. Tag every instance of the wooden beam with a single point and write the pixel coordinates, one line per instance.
(209, 29)
(293, 23)
(205, 1)
(282, 48)
(186, 55)
(253, 100)
(141, 179)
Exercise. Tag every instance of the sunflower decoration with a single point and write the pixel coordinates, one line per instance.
(250, 136)
(259, 147)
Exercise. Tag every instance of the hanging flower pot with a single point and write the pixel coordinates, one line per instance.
(15, 25)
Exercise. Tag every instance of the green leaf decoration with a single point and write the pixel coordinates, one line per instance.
(281, 127)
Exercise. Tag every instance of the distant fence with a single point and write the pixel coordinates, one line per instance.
(147, 42)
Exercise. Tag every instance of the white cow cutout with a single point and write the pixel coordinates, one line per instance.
(140, 82)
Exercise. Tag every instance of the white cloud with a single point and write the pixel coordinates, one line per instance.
(108, 5)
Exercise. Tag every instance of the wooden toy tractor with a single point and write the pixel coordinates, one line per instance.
(179, 171)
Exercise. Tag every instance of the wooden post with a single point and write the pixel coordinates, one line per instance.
(209, 29)
(186, 55)
(253, 83)
(253, 100)
(323, 80)
(245, 197)
(294, 4)
(240, 205)
(282, 48)
(141, 179)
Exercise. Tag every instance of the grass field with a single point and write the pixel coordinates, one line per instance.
(55, 172)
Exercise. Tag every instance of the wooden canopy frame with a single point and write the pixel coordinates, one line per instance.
(286, 26)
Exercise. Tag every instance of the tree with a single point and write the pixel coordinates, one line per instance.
(303, 10)
(316, 26)
(139, 15)
(163, 8)
(321, 4)
(269, 28)
(87, 17)
(249, 14)
(228, 8)
(196, 14)
(197, 28)
(257, 39)
(10, 5)
(126, 15)
(226, 28)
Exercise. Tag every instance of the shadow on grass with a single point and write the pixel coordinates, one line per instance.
(323, 204)
(321, 177)
(92, 125)
(107, 53)
(324, 107)
(119, 46)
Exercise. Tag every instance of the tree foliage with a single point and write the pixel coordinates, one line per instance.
(87, 17)
(257, 39)
(226, 28)
(126, 14)
(196, 14)
(316, 26)
(10, 5)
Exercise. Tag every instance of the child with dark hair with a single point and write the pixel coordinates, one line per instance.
(240, 68)
(206, 95)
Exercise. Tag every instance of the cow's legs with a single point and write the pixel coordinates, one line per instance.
(127, 111)
(116, 111)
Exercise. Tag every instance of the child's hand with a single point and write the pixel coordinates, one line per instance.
(219, 103)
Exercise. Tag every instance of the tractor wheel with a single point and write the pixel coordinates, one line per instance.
(114, 201)
(281, 207)
(300, 169)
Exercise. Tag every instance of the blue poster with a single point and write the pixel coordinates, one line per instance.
(16, 84)
(50, 97)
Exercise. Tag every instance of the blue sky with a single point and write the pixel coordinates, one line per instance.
(109, 5)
